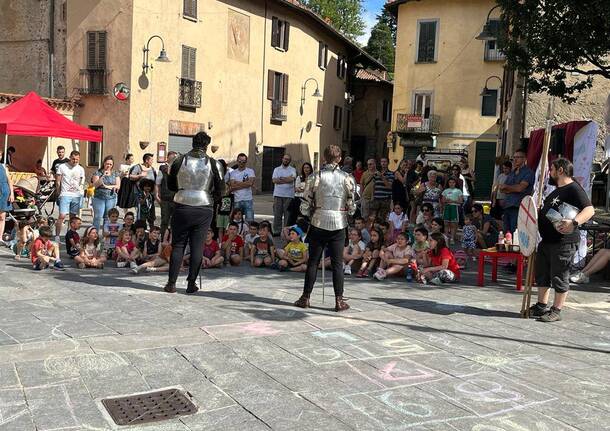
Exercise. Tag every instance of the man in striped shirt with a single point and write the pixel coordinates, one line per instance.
(382, 196)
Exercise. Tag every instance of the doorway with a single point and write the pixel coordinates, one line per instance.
(272, 158)
(485, 167)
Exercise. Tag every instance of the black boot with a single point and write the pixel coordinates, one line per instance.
(340, 304)
(170, 287)
(191, 288)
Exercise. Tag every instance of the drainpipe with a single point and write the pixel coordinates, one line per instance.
(263, 98)
(51, 46)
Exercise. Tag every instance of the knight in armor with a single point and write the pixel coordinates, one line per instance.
(328, 199)
(197, 180)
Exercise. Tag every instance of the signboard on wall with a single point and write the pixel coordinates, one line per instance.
(414, 121)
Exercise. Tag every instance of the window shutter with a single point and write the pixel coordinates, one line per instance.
(320, 113)
(91, 50)
(185, 62)
(340, 118)
(275, 39)
(270, 83)
(339, 60)
(320, 54)
(286, 35)
(427, 41)
(325, 56)
(192, 63)
(285, 89)
(190, 8)
(101, 52)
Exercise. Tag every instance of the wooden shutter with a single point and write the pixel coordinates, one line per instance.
(270, 84)
(190, 8)
(325, 56)
(338, 117)
(427, 41)
(339, 60)
(286, 35)
(321, 62)
(189, 62)
(320, 113)
(285, 89)
(96, 50)
(275, 34)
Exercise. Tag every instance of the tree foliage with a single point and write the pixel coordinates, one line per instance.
(559, 44)
(382, 42)
(344, 15)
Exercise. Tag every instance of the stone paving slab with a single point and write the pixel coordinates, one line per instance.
(404, 357)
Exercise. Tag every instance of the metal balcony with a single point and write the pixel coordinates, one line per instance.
(190, 93)
(93, 81)
(278, 111)
(494, 55)
(416, 124)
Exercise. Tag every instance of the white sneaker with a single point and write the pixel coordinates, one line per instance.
(151, 269)
(121, 264)
(579, 278)
(436, 281)
(135, 270)
(347, 270)
(133, 265)
(380, 275)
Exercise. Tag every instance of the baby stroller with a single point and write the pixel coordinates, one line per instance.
(30, 195)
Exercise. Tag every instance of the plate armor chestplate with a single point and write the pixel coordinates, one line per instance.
(195, 182)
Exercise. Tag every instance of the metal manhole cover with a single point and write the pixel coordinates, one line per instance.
(149, 407)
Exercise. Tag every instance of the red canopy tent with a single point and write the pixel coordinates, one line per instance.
(32, 116)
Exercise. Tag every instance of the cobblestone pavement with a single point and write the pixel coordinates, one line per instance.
(405, 357)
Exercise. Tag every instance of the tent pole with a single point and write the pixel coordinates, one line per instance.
(5, 155)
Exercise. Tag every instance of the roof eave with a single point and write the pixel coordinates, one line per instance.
(393, 6)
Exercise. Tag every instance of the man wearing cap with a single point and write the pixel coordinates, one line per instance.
(197, 180)
(328, 199)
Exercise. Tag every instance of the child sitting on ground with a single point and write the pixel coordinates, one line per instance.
(396, 258)
(469, 236)
(295, 255)
(232, 246)
(421, 246)
(237, 217)
(23, 239)
(72, 238)
(250, 237)
(152, 245)
(443, 267)
(160, 263)
(139, 238)
(44, 253)
(111, 231)
(364, 233)
(91, 255)
(353, 252)
(128, 220)
(212, 256)
(370, 259)
(385, 230)
(263, 252)
(126, 250)
(398, 221)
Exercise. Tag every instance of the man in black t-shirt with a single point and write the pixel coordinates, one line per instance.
(559, 239)
(60, 160)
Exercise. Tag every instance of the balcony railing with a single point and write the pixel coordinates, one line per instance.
(190, 93)
(416, 124)
(93, 81)
(494, 55)
(278, 111)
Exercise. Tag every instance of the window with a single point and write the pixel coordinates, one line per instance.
(322, 55)
(277, 92)
(341, 67)
(426, 41)
(280, 34)
(320, 113)
(422, 104)
(94, 150)
(387, 111)
(96, 50)
(338, 118)
(189, 9)
(490, 103)
(492, 50)
(189, 62)
(348, 125)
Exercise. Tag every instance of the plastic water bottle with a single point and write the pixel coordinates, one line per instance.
(501, 238)
(409, 274)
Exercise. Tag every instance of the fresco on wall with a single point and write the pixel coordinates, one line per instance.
(239, 36)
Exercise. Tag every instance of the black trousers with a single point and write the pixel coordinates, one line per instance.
(319, 239)
(189, 225)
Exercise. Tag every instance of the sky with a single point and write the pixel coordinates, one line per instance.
(371, 9)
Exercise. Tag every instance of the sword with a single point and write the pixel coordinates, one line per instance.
(323, 273)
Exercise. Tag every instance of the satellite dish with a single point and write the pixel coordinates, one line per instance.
(121, 91)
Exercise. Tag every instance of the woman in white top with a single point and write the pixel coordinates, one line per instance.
(299, 189)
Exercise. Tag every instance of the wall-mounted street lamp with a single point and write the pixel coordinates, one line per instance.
(315, 94)
(486, 88)
(163, 58)
(487, 33)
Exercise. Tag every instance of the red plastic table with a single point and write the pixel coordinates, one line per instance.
(495, 255)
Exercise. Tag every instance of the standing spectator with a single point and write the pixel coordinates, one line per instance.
(6, 199)
(60, 160)
(145, 209)
(382, 195)
(431, 192)
(347, 165)
(241, 183)
(283, 193)
(468, 184)
(358, 172)
(125, 167)
(163, 194)
(299, 189)
(452, 200)
(106, 182)
(520, 183)
(413, 181)
(144, 169)
(497, 197)
(70, 180)
(127, 196)
(367, 187)
(9, 159)
(559, 239)
(399, 190)
(225, 207)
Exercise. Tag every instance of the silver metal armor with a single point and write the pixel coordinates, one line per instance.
(195, 181)
(329, 197)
